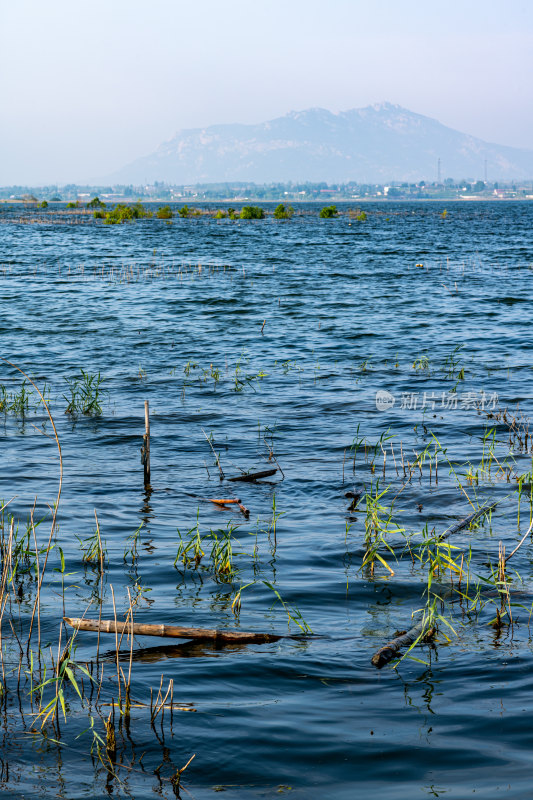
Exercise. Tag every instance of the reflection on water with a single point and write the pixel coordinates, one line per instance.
(184, 650)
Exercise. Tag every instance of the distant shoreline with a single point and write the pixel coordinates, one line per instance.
(214, 201)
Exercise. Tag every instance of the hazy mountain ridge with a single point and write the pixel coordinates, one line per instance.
(383, 142)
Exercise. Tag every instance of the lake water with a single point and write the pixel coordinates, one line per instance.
(274, 337)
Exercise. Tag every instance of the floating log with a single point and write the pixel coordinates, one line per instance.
(389, 651)
(172, 631)
(255, 476)
(171, 706)
(423, 629)
(223, 503)
(467, 521)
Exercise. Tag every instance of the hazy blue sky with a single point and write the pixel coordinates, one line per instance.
(87, 87)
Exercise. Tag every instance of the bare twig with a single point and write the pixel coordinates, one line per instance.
(217, 459)
(521, 542)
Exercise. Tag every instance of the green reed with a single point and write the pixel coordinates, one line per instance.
(85, 394)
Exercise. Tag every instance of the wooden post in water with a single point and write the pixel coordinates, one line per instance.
(145, 450)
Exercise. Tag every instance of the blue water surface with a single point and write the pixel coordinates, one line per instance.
(274, 338)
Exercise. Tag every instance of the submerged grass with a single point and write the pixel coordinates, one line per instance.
(85, 394)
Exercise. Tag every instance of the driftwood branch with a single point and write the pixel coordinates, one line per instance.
(172, 631)
(464, 523)
(423, 628)
(233, 501)
(389, 651)
(222, 502)
(254, 476)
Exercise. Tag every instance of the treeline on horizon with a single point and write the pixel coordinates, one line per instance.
(235, 190)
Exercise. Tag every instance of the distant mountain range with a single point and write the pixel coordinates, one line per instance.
(376, 144)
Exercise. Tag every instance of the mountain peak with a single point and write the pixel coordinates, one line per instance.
(386, 106)
(379, 143)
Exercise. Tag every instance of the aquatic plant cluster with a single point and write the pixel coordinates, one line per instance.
(122, 212)
(353, 490)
